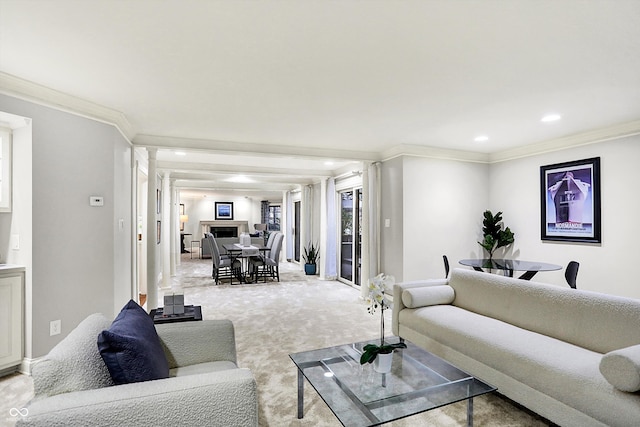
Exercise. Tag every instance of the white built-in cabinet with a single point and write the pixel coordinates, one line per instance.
(11, 316)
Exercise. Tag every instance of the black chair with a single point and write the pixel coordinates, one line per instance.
(571, 272)
(446, 265)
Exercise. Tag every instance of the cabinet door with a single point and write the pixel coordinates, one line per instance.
(11, 313)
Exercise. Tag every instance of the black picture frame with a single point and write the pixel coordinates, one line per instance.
(224, 210)
(570, 201)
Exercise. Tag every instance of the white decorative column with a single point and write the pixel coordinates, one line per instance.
(366, 240)
(174, 231)
(152, 231)
(324, 229)
(305, 221)
(167, 228)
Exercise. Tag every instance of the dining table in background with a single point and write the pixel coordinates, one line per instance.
(508, 266)
(238, 251)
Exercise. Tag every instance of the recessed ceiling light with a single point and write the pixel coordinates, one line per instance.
(240, 179)
(551, 118)
(328, 163)
(180, 153)
(481, 138)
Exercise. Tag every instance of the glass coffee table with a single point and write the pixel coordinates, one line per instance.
(358, 396)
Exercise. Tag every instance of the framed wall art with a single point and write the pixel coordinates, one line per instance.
(159, 232)
(224, 210)
(570, 201)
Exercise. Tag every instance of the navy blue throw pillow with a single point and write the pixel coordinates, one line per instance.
(131, 348)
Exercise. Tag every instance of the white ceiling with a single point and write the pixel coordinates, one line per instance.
(355, 80)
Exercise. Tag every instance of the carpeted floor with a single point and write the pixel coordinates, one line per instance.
(275, 319)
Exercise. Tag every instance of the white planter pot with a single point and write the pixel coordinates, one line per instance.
(382, 364)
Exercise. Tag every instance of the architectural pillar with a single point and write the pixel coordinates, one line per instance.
(366, 232)
(174, 231)
(167, 229)
(152, 230)
(323, 229)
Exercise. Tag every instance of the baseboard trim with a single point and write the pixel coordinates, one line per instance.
(27, 365)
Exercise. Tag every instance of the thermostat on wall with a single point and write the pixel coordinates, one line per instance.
(96, 201)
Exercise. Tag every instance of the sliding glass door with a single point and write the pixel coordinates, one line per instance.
(350, 235)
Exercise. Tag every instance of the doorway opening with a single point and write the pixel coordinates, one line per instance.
(351, 235)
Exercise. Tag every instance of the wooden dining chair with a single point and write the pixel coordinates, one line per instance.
(571, 273)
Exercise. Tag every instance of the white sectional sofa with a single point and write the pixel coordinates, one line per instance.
(572, 356)
(205, 387)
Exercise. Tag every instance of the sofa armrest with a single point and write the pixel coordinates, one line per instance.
(398, 288)
(225, 398)
(189, 343)
(621, 368)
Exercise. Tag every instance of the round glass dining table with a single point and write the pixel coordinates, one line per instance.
(508, 266)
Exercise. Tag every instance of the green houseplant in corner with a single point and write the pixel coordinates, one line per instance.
(376, 299)
(494, 236)
(310, 255)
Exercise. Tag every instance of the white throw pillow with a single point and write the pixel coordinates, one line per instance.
(622, 368)
(430, 295)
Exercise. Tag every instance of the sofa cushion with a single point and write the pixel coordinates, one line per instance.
(131, 348)
(622, 368)
(431, 295)
(74, 364)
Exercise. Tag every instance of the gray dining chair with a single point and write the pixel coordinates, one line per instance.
(268, 266)
(571, 273)
(223, 267)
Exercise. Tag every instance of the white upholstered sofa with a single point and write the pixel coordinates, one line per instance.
(572, 356)
(205, 387)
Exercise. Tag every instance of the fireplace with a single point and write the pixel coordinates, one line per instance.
(224, 228)
(219, 232)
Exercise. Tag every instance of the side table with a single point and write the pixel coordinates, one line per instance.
(191, 313)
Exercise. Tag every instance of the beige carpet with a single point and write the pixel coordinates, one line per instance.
(275, 319)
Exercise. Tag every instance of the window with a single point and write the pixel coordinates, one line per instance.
(5, 170)
(273, 223)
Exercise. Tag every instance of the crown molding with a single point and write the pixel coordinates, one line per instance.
(42, 95)
(29, 91)
(231, 147)
(620, 130)
(434, 153)
(213, 169)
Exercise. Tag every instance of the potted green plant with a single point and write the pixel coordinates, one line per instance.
(494, 236)
(310, 256)
(376, 298)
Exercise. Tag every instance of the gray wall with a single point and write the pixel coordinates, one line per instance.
(606, 267)
(435, 207)
(392, 195)
(80, 253)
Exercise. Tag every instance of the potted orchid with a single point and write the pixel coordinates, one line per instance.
(376, 299)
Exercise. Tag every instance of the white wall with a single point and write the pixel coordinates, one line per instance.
(606, 267)
(245, 208)
(442, 213)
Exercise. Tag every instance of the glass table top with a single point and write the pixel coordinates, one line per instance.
(509, 264)
(359, 396)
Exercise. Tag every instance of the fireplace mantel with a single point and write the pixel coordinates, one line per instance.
(243, 226)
